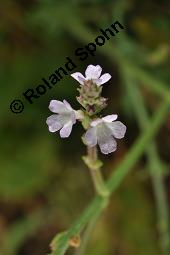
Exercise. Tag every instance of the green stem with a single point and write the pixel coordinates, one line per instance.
(87, 235)
(60, 242)
(91, 160)
(95, 172)
(155, 164)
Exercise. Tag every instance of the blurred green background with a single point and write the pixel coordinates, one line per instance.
(44, 185)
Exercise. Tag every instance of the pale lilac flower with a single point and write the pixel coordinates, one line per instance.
(92, 73)
(103, 132)
(63, 120)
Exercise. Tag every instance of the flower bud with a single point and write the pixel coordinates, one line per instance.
(90, 97)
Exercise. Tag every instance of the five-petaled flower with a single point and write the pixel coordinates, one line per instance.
(63, 120)
(92, 73)
(103, 132)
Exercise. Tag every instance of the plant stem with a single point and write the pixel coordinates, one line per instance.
(96, 175)
(87, 235)
(155, 165)
(96, 207)
(92, 162)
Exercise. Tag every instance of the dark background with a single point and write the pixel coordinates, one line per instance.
(44, 184)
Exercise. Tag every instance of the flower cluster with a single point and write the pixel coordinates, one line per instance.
(101, 131)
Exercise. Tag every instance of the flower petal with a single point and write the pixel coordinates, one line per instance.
(97, 81)
(93, 72)
(79, 77)
(108, 146)
(95, 122)
(103, 131)
(53, 123)
(73, 117)
(66, 130)
(110, 118)
(67, 105)
(57, 106)
(104, 78)
(90, 137)
(118, 129)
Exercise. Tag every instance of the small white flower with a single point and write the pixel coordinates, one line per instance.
(63, 120)
(92, 73)
(103, 132)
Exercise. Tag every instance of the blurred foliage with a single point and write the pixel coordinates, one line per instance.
(44, 185)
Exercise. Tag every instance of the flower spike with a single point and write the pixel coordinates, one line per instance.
(101, 131)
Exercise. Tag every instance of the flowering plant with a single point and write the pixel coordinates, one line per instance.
(99, 130)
